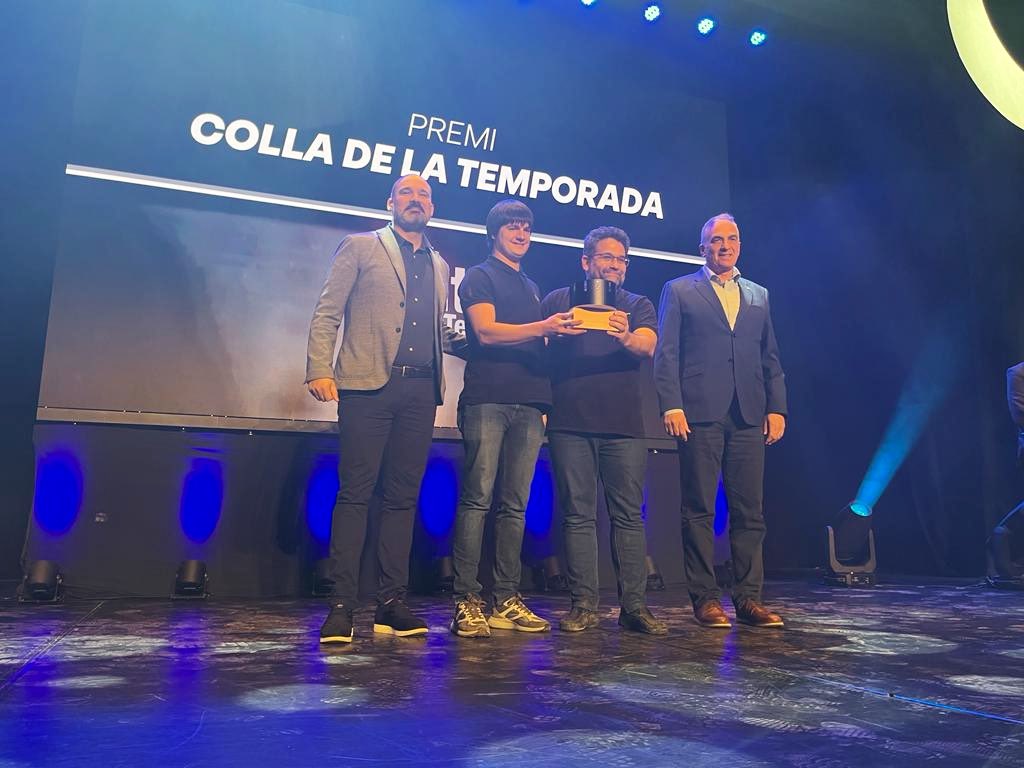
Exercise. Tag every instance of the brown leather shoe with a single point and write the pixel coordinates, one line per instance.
(710, 614)
(756, 615)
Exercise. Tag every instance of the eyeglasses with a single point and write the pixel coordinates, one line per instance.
(605, 258)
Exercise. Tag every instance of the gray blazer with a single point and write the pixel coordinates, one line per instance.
(365, 288)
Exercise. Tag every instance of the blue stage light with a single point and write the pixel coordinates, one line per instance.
(202, 496)
(652, 12)
(860, 508)
(706, 25)
(851, 547)
(439, 496)
(721, 523)
(321, 493)
(758, 37)
(58, 496)
(588, 3)
(540, 509)
(928, 384)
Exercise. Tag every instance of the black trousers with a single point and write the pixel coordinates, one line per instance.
(734, 450)
(384, 435)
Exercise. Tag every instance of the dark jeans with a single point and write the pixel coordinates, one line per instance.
(386, 434)
(495, 435)
(735, 451)
(578, 461)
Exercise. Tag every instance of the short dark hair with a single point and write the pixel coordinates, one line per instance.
(506, 212)
(595, 236)
(711, 222)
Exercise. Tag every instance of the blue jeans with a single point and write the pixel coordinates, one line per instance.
(578, 461)
(495, 435)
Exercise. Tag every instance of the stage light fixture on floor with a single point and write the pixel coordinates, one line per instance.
(192, 581)
(652, 13)
(323, 584)
(655, 582)
(1006, 552)
(444, 576)
(548, 575)
(706, 26)
(758, 37)
(42, 583)
(851, 547)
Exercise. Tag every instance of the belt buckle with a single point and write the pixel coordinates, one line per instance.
(412, 371)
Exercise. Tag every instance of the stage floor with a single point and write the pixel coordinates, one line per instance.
(894, 676)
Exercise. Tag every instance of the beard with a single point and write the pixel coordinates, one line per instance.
(414, 220)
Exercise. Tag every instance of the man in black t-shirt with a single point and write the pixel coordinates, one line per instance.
(596, 431)
(505, 395)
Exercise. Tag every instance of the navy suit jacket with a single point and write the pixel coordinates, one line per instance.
(700, 362)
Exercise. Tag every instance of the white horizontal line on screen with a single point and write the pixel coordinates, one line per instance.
(179, 185)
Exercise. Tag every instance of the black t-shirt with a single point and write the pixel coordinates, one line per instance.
(595, 382)
(507, 374)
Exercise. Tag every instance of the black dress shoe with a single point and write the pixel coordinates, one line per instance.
(642, 620)
(337, 627)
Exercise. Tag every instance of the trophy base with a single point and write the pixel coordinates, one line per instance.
(593, 318)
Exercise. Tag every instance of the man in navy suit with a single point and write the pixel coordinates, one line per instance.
(723, 397)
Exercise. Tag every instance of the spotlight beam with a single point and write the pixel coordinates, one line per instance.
(929, 381)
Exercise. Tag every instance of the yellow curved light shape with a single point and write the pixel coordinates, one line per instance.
(998, 76)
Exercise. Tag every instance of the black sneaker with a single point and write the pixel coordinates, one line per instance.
(395, 618)
(642, 620)
(337, 627)
(578, 619)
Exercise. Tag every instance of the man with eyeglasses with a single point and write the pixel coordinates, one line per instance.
(504, 399)
(595, 432)
(723, 397)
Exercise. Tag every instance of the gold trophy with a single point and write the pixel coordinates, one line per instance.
(593, 301)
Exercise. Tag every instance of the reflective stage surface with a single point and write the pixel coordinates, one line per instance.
(898, 675)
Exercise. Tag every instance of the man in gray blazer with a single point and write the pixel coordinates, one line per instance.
(388, 289)
(723, 397)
